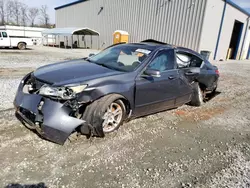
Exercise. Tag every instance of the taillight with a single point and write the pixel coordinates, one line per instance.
(217, 72)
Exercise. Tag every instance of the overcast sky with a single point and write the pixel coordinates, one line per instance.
(50, 3)
(55, 3)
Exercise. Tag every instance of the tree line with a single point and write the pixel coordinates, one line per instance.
(15, 12)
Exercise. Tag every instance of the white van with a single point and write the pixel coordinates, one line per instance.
(7, 41)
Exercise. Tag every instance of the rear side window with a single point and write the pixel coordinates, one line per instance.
(186, 60)
(4, 34)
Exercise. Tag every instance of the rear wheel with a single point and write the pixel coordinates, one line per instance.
(198, 95)
(214, 90)
(21, 46)
(106, 113)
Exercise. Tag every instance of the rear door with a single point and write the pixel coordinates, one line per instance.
(4, 39)
(155, 94)
(194, 68)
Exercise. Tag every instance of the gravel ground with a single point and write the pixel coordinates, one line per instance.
(208, 146)
(38, 56)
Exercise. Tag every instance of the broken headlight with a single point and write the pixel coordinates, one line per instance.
(65, 93)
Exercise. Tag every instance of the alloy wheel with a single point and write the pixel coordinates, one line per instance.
(112, 117)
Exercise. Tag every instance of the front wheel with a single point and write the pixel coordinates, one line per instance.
(106, 113)
(113, 116)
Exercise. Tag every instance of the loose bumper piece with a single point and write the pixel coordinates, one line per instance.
(49, 118)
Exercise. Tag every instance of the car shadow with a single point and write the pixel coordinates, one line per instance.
(17, 185)
(212, 95)
(29, 49)
(16, 49)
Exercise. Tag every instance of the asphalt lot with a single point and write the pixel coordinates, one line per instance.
(208, 146)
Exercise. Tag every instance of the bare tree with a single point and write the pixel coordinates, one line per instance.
(44, 15)
(9, 11)
(33, 13)
(2, 11)
(16, 11)
(24, 16)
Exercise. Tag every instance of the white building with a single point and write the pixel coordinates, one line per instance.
(219, 26)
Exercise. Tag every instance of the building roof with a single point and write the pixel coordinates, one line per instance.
(70, 31)
(69, 4)
(238, 7)
(21, 28)
(228, 1)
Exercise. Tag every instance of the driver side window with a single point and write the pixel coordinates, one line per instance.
(165, 60)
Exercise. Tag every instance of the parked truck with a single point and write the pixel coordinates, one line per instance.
(7, 41)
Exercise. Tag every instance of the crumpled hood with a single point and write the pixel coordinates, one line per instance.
(70, 72)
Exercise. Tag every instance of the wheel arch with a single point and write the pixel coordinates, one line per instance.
(90, 99)
(22, 42)
(126, 104)
(202, 86)
(119, 97)
(91, 110)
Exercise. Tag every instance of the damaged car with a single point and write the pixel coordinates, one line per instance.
(94, 96)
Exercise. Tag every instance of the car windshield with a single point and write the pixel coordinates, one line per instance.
(124, 57)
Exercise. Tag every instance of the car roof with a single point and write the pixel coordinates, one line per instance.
(154, 42)
(154, 45)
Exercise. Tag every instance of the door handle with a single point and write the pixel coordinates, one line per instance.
(189, 73)
(171, 77)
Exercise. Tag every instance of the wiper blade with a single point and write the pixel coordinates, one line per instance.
(104, 65)
(112, 68)
(89, 60)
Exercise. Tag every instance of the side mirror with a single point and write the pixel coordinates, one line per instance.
(91, 54)
(152, 73)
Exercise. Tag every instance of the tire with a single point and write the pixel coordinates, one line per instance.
(95, 114)
(214, 90)
(21, 46)
(198, 96)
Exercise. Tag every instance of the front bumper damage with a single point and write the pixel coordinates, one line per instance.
(49, 118)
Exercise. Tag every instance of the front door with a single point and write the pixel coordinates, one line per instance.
(4, 40)
(155, 94)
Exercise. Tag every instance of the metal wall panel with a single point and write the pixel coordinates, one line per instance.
(177, 22)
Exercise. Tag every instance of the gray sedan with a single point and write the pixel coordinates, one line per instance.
(94, 96)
